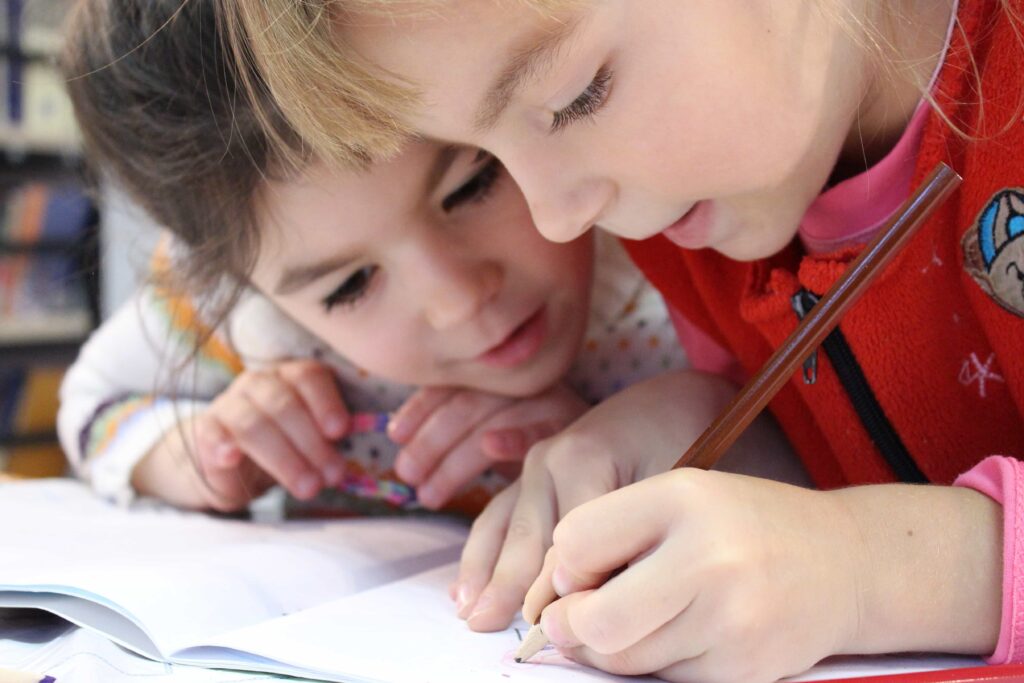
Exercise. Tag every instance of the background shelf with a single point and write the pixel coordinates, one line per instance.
(49, 244)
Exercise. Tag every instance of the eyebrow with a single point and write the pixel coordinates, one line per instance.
(294, 279)
(528, 61)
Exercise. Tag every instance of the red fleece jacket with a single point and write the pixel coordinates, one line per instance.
(940, 335)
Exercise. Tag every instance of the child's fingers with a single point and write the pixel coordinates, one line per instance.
(514, 431)
(522, 554)
(228, 481)
(608, 532)
(676, 645)
(570, 493)
(457, 468)
(417, 408)
(264, 443)
(215, 447)
(504, 445)
(284, 407)
(541, 594)
(513, 443)
(443, 430)
(631, 605)
(482, 548)
(316, 385)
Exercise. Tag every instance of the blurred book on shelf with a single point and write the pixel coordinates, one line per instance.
(49, 251)
(28, 409)
(43, 230)
(35, 112)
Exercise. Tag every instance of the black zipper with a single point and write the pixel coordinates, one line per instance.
(851, 376)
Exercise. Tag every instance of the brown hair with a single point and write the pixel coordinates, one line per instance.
(160, 104)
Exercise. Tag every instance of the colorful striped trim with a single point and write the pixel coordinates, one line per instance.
(391, 492)
(107, 421)
(184, 320)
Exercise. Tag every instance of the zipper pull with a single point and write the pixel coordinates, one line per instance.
(803, 301)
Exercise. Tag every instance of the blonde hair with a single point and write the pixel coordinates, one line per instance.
(321, 89)
(351, 112)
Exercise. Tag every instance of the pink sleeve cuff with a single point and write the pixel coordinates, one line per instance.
(1002, 479)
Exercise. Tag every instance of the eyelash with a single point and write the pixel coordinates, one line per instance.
(351, 290)
(589, 102)
(474, 190)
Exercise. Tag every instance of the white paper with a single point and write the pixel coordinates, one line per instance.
(343, 600)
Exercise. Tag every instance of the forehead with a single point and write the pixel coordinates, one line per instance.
(342, 204)
(455, 51)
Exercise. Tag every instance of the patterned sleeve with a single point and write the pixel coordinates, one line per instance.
(138, 376)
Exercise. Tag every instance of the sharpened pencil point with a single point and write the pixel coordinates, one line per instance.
(533, 643)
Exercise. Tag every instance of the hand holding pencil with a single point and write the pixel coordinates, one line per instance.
(720, 557)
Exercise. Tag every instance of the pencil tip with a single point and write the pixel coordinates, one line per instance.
(519, 660)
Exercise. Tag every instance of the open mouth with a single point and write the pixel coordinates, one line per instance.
(520, 345)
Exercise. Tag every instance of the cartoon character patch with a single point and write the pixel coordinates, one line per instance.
(994, 249)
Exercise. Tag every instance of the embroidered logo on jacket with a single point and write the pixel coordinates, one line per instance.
(994, 249)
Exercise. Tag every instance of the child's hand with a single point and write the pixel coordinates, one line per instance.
(451, 436)
(637, 433)
(272, 425)
(729, 577)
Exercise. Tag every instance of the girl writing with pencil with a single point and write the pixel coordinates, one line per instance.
(746, 151)
(283, 282)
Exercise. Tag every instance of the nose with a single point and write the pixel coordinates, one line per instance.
(456, 288)
(564, 202)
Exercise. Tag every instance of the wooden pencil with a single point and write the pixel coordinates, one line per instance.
(805, 338)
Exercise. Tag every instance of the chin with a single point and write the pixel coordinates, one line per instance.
(525, 385)
(543, 374)
(745, 249)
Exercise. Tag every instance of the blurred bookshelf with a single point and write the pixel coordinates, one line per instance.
(49, 244)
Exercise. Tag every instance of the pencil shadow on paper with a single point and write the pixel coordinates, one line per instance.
(399, 569)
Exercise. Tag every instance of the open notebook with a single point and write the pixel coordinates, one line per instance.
(339, 600)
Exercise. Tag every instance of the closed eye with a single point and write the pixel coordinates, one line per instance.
(589, 102)
(476, 189)
(351, 290)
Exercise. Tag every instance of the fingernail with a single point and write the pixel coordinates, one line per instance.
(334, 472)
(397, 430)
(307, 486)
(561, 582)
(225, 454)
(428, 497)
(406, 468)
(508, 443)
(483, 604)
(463, 597)
(334, 426)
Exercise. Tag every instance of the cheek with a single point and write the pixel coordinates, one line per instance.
(382, 352)
(370, 341)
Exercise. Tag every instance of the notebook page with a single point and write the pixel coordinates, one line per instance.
(404, 631)
(186, 577)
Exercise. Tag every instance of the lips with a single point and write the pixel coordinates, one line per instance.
(520, 345)
(693, 230)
